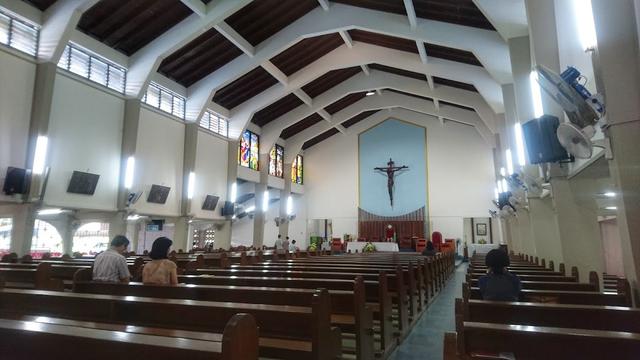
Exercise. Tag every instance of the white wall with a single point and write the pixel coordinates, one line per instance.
(270, 229)
(242, 229)
(16, 91)
(211, 174)
(159, 156)
(85, 134)
(298, 227)
(571, 53)
(460, 176)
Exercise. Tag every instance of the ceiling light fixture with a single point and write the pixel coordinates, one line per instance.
(369, 93)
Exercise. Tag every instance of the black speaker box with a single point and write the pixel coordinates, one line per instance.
(541, 140)
(16, 181)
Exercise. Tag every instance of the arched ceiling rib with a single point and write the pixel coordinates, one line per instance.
(388, 100)
(362, 54)
(266, 61)
(376, 80)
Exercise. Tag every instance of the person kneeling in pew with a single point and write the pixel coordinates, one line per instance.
(499, 284)
(160, 270)
(110, 265)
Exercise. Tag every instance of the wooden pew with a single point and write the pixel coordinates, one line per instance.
(60, 338)
(286, 332)
(38, 277)
(612, 318)
(560, 296)
(348, 307)
(533, 342)
(377, 295)
(412, 286)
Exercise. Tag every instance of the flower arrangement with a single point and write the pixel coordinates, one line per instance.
(368, 247)
(312, 247)
(482, 241)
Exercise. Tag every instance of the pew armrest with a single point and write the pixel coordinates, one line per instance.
(450, 346)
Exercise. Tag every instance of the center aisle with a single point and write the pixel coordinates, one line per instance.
(425, 340)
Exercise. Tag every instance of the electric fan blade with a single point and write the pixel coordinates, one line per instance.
(575, 141)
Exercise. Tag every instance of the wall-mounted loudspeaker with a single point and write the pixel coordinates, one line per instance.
(228, 209)
(542, 142)
(158, 194)
(133, 197)
(210, 202)
(16, 181)
(83, 183)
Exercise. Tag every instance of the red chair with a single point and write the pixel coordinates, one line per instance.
(421, 244)
(436, 239)
(336, 245)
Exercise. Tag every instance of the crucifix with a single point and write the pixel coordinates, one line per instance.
(390, 170)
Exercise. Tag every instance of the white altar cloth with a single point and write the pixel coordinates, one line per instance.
(481, 249)
(380, 246)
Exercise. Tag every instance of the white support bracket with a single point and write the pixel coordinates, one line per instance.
(228, 32)
(346, 38)
(275, 72)
(411, 13)
(303, 96)
(324, 4)
(197, 6)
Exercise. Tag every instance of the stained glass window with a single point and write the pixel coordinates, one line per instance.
(297, 170)
(276, 156)
(248, 151)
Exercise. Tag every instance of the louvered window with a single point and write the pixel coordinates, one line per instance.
(18, 34)
(97, 69)
(165, 100)
(215, 123)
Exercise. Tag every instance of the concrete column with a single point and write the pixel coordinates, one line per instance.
(39, 126)
(578, 220)
(283, 230)
(181, 234)
(66, 229)
(545, 229)
(188, 165)
(524, 231)
(133, 234)
(131, 121)
(223, 236)
(616, 31)
(118, 224)
(24, 217)
(521, 69)
(544, 45)
(259, 217)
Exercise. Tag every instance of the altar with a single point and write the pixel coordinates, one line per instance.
(482, 249)
(380, 246)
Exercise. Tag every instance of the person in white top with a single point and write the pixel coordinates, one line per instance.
(111, 265)
(279, 244)
(292, 246)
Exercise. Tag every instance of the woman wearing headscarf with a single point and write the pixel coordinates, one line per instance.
(160, 270)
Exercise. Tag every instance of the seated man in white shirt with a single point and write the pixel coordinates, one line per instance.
(111, 265)
(292, 247)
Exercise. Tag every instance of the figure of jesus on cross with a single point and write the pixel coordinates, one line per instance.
(390, 171)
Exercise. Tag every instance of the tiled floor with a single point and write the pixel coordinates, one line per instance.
(425, 340)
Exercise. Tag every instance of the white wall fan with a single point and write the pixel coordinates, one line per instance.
(536, 186)
(583, 109)
(507, 212)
